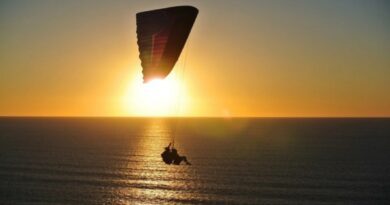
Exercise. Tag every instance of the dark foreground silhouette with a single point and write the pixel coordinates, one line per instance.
(170, 156)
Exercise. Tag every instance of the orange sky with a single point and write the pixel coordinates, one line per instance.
(250, 58)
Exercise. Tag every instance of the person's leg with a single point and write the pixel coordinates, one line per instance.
(178, 160)
(185, 160)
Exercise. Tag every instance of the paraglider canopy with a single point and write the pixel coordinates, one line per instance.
(162, 35)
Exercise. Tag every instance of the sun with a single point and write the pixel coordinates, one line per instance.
(159, 97)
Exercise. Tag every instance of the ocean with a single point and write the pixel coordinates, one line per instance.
(234, 161)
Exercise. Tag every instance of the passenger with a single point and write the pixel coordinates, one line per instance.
(177, 158)
(167, 155)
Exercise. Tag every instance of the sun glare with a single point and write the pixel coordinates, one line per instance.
(159, 97)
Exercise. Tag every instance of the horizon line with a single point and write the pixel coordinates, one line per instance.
(222, 117)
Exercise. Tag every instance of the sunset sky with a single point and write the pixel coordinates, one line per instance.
(243, 58)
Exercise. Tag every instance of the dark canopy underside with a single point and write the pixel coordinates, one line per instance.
(161, 37)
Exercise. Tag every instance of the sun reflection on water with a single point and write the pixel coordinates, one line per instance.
(154, 181)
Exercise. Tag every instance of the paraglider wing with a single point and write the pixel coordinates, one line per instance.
(161, 37)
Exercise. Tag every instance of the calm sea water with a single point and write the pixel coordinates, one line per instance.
(235, 161)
